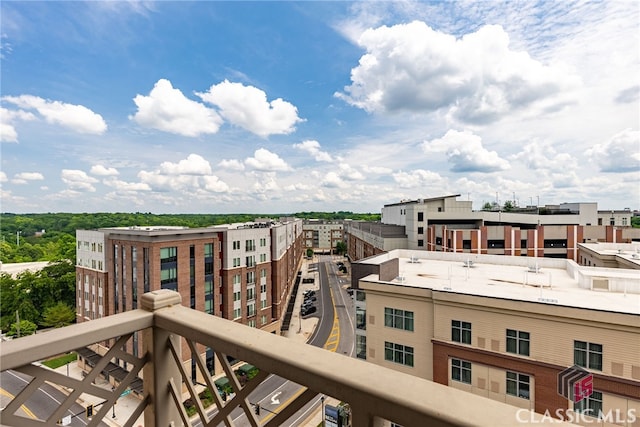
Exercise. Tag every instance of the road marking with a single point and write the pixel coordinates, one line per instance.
(274, 398)
(334, 337)
(24, 408)
(286, 402)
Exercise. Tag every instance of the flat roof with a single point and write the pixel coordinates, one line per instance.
(539, 280)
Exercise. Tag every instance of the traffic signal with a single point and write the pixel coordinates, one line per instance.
(89, 411)
(257, 409)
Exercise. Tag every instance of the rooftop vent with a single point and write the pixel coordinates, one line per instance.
(467, 263)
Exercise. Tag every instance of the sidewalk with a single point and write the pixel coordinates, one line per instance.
(301, 330)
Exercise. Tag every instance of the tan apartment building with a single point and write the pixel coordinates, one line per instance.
(322, 235)
(241, 272)
(506, 328)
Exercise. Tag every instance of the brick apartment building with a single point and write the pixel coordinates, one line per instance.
(445, 224)
(241, 272)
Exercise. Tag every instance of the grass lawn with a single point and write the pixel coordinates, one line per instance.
(60, 361)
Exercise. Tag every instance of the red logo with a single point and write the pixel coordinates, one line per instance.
(575, 383)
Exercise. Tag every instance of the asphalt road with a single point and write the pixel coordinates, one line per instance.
(275, 392)
(42, 403)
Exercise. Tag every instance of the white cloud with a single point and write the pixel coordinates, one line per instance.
(349, 173)
(78, 180)
(8, 132)
(313, 148)
(477, 78)
(213, 183)
(192, 174)
(168, 110)
(465, 152)
(621, 153)
(75, 117)
(3, 177)
(248, 108)
(418, 178)
(542, 157)
(265, 160)
(333, 180)
(30, 176)
(231, 164)
(123, 186)
(103, 171)
(192, 165)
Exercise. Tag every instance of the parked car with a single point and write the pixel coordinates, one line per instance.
(308, 310)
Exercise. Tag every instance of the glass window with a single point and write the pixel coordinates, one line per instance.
(361, 346)
(398, 353)
(518, 385)
(461, 371)
(517, 342)
(587, 355)
(590, 405)
(361, 318)
(461, 331)
(398, 319)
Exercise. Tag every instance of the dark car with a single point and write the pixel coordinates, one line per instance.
(308, 310)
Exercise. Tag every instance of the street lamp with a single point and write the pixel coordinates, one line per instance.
(114, 404)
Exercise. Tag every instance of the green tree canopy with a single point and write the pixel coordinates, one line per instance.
(57, 316)
(26, 328)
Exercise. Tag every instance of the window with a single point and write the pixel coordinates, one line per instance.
(398, 319)
(461, 371)
(420, 230)
(587, 355)
(263, 242)
(236, 279)
(361, 347)
(236, 262)
(420, 216)
(236, 244)
(420, 243)
(361, 318)
(249, 245)
(251, 261)
(461, 331)
(251, 294)
(237, 313)
(361, 296)
(518, 342)
(263, 257)
(251, 277)
(398, 353)
(518, 385)
(590, 405)
(263, 319)
(236, 296)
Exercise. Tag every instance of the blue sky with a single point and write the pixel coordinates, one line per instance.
(278, 107)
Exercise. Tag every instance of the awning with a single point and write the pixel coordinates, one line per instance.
(246, 368)
(221, 382)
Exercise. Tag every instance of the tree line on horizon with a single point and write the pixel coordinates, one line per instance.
(51, 236)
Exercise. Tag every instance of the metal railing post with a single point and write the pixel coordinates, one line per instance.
(161, 368)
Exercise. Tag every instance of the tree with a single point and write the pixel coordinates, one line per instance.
(341, 247)
(508, 206)
(309, 253)
(26, 328)
(57, 316)
(487, 206)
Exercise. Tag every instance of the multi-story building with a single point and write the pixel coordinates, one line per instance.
(241, 272)
(449, 225)
(506, 328)
(322, 235)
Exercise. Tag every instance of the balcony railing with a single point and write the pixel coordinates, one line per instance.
(374, 393)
